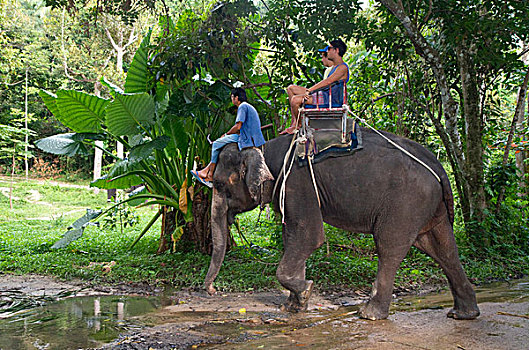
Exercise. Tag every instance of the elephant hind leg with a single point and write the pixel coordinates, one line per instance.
(390, 255)
(440, 244)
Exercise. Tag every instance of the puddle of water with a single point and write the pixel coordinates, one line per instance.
(87, 322)
(342, 329)
(74, 323)
(515, 291)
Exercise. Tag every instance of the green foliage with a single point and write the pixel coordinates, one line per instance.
(76, 230)
(137, 75)
(120, 217)
(69, 144)
(81, 112)
(12, 142)
(129, 11)
(158, 126)
(127, 114)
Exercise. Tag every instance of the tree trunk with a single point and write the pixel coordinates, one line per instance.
(198, 232)
(119, 47)
(473, 166)
(518, 115)
(168, 227)
(521, 155)
(98, 153)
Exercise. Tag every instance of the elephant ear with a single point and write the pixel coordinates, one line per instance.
(254, 171)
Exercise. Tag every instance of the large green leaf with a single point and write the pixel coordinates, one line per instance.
(143, 151)
(122, 167)
(174, 127)
(67, 144)
(117, 176)
(50, 100)
(79, 111)
(142, 190)
(76, 230)
(127, 114)
(138, 74)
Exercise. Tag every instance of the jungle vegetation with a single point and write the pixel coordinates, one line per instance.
(155, 76)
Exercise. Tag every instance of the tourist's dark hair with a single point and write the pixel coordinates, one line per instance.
(340, 45)
(240, 93)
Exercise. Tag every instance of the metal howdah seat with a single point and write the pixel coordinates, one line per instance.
(329, 113)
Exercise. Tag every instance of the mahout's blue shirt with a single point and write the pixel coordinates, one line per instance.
(250, 134)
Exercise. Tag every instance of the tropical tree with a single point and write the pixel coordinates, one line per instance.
(162, 120)
(465, 50)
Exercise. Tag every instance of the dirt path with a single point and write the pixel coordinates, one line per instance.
(7, 179)
(36, 285)
(192, 319)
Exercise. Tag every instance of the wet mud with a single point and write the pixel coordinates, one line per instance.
(128, 318)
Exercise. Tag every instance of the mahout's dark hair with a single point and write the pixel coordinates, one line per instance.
(240, 93)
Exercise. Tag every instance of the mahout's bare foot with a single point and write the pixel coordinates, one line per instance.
(202, 173)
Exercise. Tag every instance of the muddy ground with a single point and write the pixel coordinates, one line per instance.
(192, 319)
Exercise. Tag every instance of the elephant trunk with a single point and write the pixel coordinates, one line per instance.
(219, 232)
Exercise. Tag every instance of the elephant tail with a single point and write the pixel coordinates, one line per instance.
(448, 197)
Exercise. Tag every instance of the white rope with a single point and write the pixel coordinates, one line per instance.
(309, 159)
(282, 191)
(395, 144)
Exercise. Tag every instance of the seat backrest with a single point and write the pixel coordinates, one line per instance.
(332, 96)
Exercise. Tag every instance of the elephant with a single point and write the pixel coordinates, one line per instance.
(377, 190)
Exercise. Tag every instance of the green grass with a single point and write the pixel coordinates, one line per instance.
(345, 260)
(35, 199)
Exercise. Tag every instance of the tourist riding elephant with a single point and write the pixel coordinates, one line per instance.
(378, 190)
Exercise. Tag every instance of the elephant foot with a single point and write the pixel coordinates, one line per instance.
(300, 302)
(288, 304)
(373, 313)
(305, 295)
(210, 289)
(463, 315)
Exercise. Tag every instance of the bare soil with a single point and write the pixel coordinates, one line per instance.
(194, 319)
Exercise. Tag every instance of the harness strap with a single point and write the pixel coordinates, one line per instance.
(395, 144)
(310, 159)
(282, 191)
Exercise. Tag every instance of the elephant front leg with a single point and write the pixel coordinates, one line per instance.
(302, 234)
(292, 276)
(219, 233)
(291, 272)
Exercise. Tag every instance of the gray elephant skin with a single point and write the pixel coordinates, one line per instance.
(377, 190)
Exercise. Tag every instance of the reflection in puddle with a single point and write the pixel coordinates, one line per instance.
(74, 323)
(87, 322)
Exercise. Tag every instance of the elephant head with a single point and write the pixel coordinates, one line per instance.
(241, 182)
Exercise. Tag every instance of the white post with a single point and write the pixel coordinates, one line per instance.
(120, 150)
(26, 126)
(98, 160)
